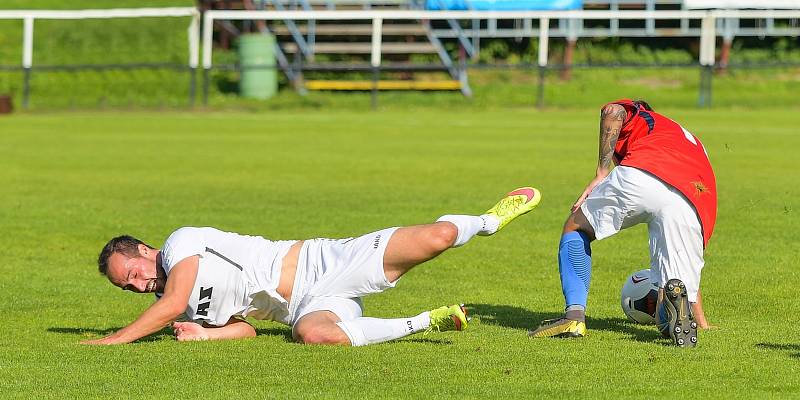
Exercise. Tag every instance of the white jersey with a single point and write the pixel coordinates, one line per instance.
(238, 275)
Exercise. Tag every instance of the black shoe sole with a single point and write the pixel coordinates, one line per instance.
(682, 328)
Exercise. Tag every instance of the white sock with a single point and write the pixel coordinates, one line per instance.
(363, 331)
(491, 223)
(470, 225)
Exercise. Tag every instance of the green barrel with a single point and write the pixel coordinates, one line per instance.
(259, 78)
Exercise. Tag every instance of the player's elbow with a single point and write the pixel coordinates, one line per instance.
(246, 330)
(611, 109)
(176, 311)
(173, 309)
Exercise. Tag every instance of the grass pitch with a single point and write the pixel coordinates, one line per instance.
(70, 182)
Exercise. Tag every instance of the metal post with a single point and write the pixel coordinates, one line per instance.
(710, 86)
(650, 23)
(205, 85)
(26, 89)
(569, 51)
(613, 25)
(462, 72)
(27, 60)
(297, 68)
(544, 40)
(706, 78)
(476, 38)
(194, 56)
(708, 38)
(208, 26)
(375, 59)
(701, 88)
(375, 76)
(540, 94)
(192, 86)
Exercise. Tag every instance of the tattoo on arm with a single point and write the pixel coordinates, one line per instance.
(611, 120)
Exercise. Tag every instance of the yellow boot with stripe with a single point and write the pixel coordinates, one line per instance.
(559, 327)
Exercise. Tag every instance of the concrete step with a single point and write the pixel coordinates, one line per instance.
(382, 85)
(354, 30)
(365, 48)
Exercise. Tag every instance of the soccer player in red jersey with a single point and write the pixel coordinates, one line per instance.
(662, 178)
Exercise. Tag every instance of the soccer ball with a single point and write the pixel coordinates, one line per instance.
(639, 297)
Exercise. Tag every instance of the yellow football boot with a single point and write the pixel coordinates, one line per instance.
(517, 202)
(448, 318)
(559, 327)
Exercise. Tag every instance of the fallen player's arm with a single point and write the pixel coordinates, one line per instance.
(171, 305)
(234, 329)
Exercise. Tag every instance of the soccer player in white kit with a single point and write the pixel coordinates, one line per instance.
(216, 279)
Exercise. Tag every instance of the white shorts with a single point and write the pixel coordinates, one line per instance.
(332, 274)
(629, 196)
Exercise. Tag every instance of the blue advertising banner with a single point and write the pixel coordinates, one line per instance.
(504, 5)
(742, 4)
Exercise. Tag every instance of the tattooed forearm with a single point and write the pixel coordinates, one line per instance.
(611, 119)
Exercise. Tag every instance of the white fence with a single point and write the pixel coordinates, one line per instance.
(30, 16)
(708, 32)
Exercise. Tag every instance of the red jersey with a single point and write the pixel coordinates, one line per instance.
(654, 143)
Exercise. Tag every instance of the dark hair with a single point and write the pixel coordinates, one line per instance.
(643, 104)
(125, 245)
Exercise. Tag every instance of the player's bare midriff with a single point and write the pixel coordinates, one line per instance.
(288, 270)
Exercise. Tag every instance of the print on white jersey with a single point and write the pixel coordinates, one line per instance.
(237, 274)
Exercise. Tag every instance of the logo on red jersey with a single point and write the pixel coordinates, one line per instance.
(699, 188)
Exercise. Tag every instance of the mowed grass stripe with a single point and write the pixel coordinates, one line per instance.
(71, 181)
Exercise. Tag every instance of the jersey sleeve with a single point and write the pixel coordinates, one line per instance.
(185, 242)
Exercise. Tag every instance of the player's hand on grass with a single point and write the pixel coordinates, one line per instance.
(101, 341)
(188, 331)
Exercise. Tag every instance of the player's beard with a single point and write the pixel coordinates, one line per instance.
(159, 282)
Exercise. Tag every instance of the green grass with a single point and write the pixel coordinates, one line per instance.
(516, 89)
(71, 181)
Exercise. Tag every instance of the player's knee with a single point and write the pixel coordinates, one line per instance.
(443, 236)
(577, 222)
(321, 335)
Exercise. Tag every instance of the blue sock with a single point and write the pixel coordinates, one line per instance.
(575, 267)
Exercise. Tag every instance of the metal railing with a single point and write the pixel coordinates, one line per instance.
(707, 31)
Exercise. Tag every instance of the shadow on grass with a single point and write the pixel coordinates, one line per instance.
(285, 332)
(81, 331)
(430, 341)
(520, 318)
(98, 333)
(160, 335)
(793, 349)
(287, 335)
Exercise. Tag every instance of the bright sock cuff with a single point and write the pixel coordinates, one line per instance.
(575, 267)
(467, 225)
(363, 331)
